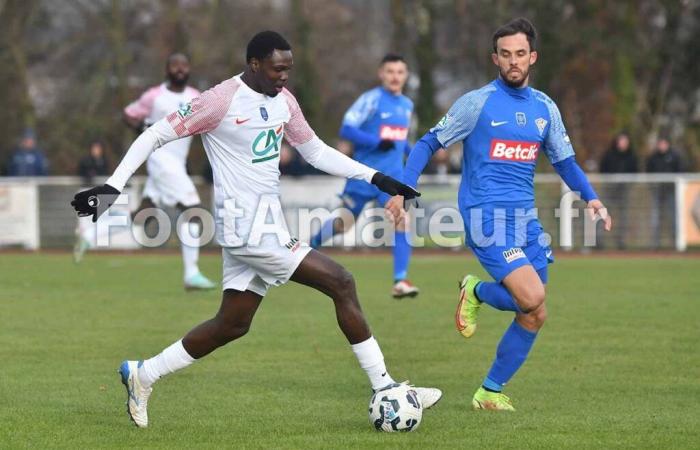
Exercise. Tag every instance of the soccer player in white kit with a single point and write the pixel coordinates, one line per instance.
(242, 121)
(168, 184)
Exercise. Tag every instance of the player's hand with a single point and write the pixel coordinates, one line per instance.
(95, 201)
(385, 145)
(394, 209)
(598, 209)
(393, 187)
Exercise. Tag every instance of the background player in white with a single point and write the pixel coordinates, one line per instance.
(168, 185)
(242, 121)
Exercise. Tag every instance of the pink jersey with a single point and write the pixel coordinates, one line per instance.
(242, 132)
(154, 104)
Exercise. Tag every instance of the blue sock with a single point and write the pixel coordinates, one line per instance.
(510, 355)
(496, 295)
(325, 233)
(402, 254)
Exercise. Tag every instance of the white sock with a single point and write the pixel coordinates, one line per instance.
(168, 361)
(190, 255)
(371, 360)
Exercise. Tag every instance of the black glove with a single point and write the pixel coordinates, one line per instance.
(95, 201)
(385, 145)
(394, 187)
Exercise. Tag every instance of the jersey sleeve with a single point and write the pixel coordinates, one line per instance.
(141, 108)
(297, 131)
(461, 118)
(362, 109)
(557, 145)
(204, 113)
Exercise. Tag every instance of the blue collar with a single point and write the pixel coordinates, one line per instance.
(521, 93)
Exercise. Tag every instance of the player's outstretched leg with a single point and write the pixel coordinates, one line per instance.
(193, 277)
(402, 255)
(231, 322)
(323, 274)
(528, 291)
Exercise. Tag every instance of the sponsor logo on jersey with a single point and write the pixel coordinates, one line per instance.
(267, 144)
(513, 253)
(541, 124)
(263, 113)
(443, 122)
(520, 119)
(293, 245)
(516, 151)
(393, 133)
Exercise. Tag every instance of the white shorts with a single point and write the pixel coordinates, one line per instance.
(256, 268)
(168, 186)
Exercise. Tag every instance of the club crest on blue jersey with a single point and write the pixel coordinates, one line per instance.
(263, 113)
(541, 124)
(520, 119)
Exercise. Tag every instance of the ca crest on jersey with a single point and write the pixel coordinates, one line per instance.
(266, 145)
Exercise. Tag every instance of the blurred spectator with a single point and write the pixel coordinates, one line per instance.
(663, 204)
(94, 164)
(620, 158)
(27, 160)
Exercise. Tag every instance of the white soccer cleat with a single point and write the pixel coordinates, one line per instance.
(136, 394)
(404, 288)
(428, 396)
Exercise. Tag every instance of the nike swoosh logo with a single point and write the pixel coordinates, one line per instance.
(239, 121)
(498, 124)
(548, 254)
(460, 322)
(385, 115)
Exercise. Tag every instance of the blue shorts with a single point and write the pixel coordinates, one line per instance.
(503, 243)
(356, 201)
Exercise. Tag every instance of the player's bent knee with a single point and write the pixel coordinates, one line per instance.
(531, 300)
(343, 285)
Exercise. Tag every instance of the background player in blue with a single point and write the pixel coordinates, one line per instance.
(503, 127)
(377, 124)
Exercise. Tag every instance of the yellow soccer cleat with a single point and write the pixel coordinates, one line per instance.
(468, 306)
(495, 401)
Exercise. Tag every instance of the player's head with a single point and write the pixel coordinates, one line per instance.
(514, 51)
(393, 72)
(177, 69)
(269, 58)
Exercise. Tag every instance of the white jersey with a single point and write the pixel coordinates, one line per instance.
(154, 104)
(242, 133)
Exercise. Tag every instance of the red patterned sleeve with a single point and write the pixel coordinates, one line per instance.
(204, 113)
(297, 131)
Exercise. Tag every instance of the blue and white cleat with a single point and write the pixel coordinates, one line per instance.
(199, 282)
(136, 394)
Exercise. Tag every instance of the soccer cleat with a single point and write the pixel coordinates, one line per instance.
(404, 288)
(496, 401)
(468, 306)
(428, 396)
(136, 394)
(199, 282)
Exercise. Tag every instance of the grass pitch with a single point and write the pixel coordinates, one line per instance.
(616, 365)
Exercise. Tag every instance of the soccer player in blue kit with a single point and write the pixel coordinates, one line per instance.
(503, 126)
(377, 125)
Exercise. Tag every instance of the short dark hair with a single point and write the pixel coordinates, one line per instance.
(264, 43)
(173, 55)
(392, 57)
(515, 26)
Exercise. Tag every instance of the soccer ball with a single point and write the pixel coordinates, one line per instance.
(395, 408)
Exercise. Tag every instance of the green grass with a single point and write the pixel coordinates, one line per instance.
(616, 366)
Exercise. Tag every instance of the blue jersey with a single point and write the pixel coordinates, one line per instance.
(377, 115)
(503, 130)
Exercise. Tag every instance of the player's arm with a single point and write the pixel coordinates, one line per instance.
(327, 159)
(135, 113)
(560, 152)
(360, 111)
(201, 115)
